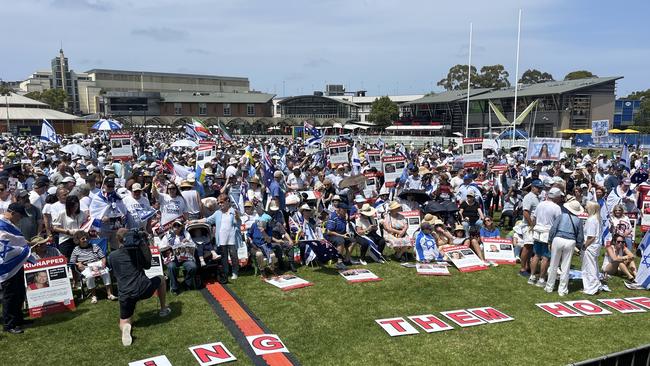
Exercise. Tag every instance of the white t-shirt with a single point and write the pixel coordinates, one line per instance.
(171, 208)
(226, 229)
(192, 201)
(84, 203)
(4, 205)
(55, 209)
(36, 200)
(546, 212)
(66, 222)
(592, 228)
(294, 182)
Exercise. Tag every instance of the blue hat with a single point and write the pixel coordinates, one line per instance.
(468, 177)
(537, 183)
(343, 206)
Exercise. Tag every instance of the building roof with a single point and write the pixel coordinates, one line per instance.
(149, 73)
(37, 114)
(20, 100)
(547, 88)
(370, 99)
(449, 96)
(214, 97)
(288, 99)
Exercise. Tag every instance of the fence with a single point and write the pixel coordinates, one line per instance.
(613, 140)
(636, 356)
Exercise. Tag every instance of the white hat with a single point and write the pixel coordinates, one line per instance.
(232, 161)
(359, 199)
(292, 199)
(69, 180)
(555, 193)
(191, 177)
(574, 207)
(136, 187)
(273, 206)
(51, 190)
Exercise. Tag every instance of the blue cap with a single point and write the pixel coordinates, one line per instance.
(537, 183)
(343, 206)
(468, 177)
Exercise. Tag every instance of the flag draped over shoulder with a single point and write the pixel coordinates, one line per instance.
(14, 250)
(643, 272)
(48, 133)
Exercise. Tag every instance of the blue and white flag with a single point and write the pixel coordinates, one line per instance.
(402, 150)
(269, 169)
(380, 143)
(191, 133)
(625, 157)
(48, 133)
(356, 161)
(643, 272)
(14, 250)
(312, 135)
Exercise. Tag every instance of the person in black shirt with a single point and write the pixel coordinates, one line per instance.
(128, 265)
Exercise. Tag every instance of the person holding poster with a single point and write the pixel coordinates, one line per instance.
(84, 254)
(16, 252)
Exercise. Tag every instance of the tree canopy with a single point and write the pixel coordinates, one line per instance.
(383, 111)
(580, 74)
(534, 76)
(491, 76)
(55, 98)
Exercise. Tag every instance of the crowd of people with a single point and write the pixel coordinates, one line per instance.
(275, 204)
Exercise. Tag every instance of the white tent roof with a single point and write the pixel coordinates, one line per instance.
(414, 128)
(34, 114)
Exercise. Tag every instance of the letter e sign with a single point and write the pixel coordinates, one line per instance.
(264, 344)
(212, 354)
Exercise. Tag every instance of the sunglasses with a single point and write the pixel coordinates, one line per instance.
(620, 241)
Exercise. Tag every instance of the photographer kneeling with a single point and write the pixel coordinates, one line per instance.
(128, 263)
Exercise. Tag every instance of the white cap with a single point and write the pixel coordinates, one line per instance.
(555, 192)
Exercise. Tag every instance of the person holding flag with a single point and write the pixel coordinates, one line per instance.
(14, 252)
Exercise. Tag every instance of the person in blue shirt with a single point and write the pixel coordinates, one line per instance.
(425, 245)
(260, 235)
(489, 229)
(336, 232)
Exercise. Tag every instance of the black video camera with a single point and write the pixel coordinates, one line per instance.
(135, 238)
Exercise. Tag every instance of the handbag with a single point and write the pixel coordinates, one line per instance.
(540, 233)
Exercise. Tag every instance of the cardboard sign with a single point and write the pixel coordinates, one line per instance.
(645, 213)
(396, 326)
(392, 167)
(641, 301)
(288, 282)
(212, 354)
(373, 157)
(156, 263)
(48, 287)
(463, 318)
(544, 149)
(372, 185)
(430, 323)
(121, 147)
(588, 308)
(472, 152)
(413, 220)
(205, 152)
(599, 129)
(558, 309)
(338, 153)
(498, 250)
(359, 275)
(622, 306)
(153, 361)
(464, 259)
(491, 315)
(432, 269)
(263, 344)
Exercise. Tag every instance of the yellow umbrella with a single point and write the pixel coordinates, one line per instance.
(584, 130)
(615, 130)
(629, 130)
(568, 130)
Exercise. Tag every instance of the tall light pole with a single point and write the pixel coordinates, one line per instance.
(6, 92)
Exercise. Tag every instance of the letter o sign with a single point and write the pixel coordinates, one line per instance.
(263, 344)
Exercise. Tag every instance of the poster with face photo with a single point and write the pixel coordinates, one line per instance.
(392, 166)
(288, 282)
(372, 188)
(48, 287)
(373, 157)
(472, 152)
(359, 275)
(544, 149)
(432, 269)
(121, 146)
(498, 250)
(645, 214)
(338, 153)
(413, 220)
(464, 259)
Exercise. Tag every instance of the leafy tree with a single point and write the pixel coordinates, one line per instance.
(642, 118)
(457, 78)
(534, 76)
(383, 111)
(36, 95)
(580, 74)
(639, 95)
(493, 76)
(55, 98)
(5, 90)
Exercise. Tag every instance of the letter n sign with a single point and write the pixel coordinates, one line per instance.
(264, 344)
(212, 354)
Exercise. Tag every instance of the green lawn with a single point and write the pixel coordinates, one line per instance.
(90, 335)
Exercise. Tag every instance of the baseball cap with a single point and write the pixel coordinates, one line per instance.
(555, 192)
(69, 180)
(627, 182)
(136, 187)
(537, 183)
(17, 208)
(22, 193)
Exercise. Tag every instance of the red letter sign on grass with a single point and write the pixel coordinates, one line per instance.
(558, 309)
(588, 308)
(153, 361)
(622, 306)
(430, 323)
(463, 318)
(396, 326)
(491, 315)
(641, 301)
(212, 354)
(264, 344)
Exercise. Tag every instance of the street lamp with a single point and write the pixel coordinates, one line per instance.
(6, 92)
(131, 116)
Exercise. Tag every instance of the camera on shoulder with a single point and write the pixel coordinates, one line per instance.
(135, 238)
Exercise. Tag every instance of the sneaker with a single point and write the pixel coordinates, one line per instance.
(532, 280)
(164, 312)
(233, 277)
(606, 288)
(548, 290)
(126, 335)
(362, 262)
(562, 294)
(15, 330)
(111, 297)
(524, 273)
(630, 286)
(93, 300)
(215, 256)
(541, 283)
(341, 266)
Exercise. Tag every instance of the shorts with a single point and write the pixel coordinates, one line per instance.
(127, 306)
(541, 249)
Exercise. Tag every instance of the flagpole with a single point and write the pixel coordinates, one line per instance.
(469, 80)
(514, 117)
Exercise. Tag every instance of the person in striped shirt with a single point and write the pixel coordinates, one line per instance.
(85, 253)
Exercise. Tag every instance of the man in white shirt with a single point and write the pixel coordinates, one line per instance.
(231, 170)
(296, 180)
(38, 194)
(544, 215)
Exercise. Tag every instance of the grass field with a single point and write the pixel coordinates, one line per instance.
(332, 323)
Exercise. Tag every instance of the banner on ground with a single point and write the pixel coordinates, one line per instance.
(121, 147)
(48, 287)
(432, 269)
(393, 167)
(156, 263)
(544, 149)
(464, 258)
(472, 152)
(373, 157)
(338, 153)
(152, 361)
(359, 275)
(288, 282)
(498, 250)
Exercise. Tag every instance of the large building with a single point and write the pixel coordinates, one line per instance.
(624, 112)
(561, 104)
(20, 115)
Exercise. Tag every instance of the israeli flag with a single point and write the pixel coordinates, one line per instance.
(625, 157)
(356, 161)
(48, 133)
(14, 250)
(643, 272)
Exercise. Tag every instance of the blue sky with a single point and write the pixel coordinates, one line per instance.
(385, 47)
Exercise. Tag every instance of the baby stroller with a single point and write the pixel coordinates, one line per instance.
(209, 263)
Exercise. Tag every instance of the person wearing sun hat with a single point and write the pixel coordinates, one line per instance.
(366, 227)
(395, 226)
(567, 233)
